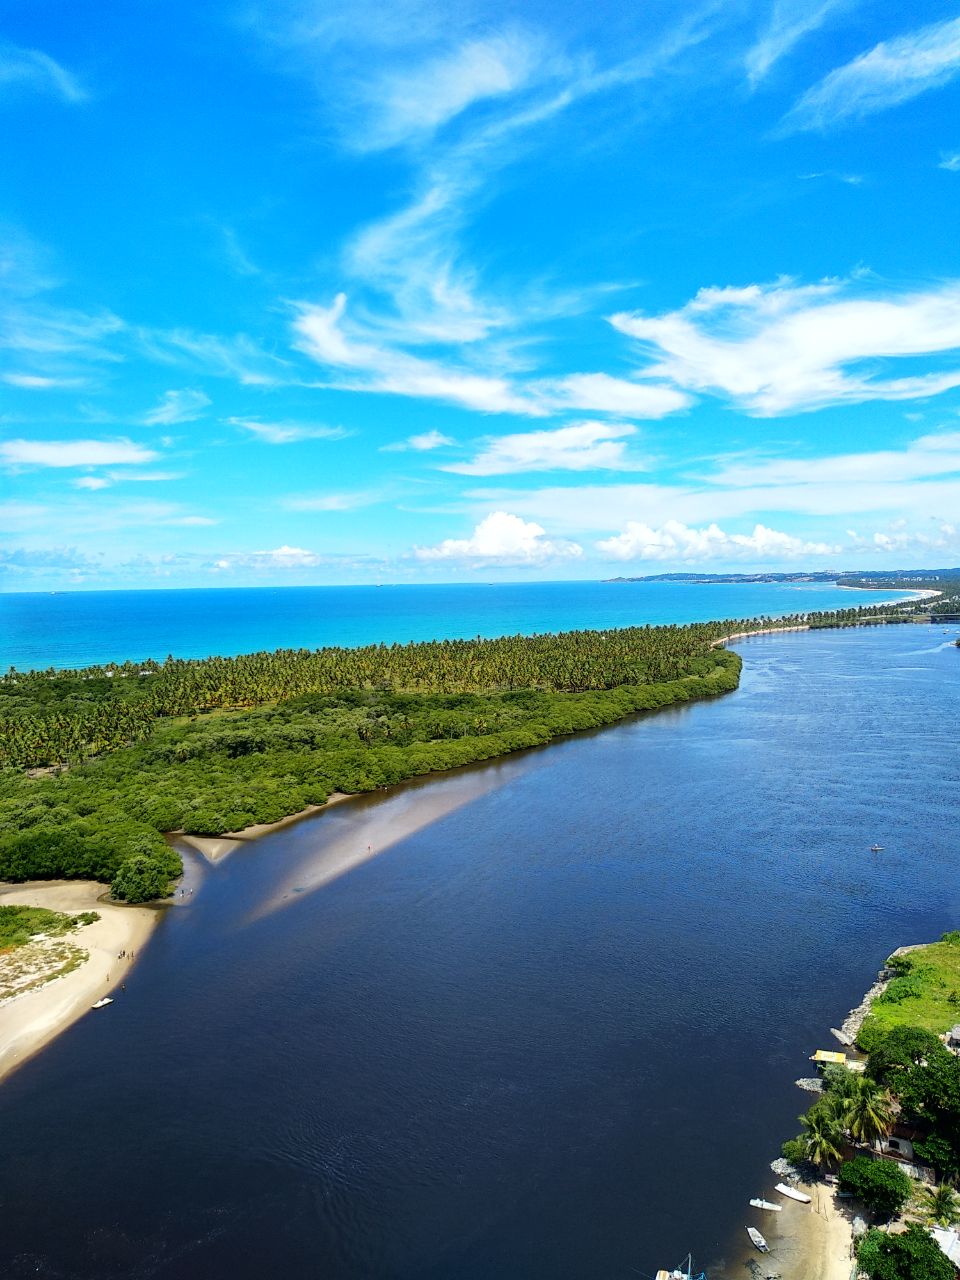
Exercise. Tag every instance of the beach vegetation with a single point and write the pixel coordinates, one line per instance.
(21, 924)
(823, 1136)
(920, 994)
(880, 1185)
(941, 1204)
(909, 1255)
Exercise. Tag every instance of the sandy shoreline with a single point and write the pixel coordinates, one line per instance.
(809, 1241)
(214, 848)
(30, 1021)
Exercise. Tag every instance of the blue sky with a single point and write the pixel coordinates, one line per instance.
(352, 293)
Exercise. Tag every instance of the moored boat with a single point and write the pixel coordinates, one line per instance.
(758, 1239)
(678, 1273)
(766, 1204)
(102, 1003)
(792, 1192)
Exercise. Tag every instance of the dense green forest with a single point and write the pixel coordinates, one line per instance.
(97, 764)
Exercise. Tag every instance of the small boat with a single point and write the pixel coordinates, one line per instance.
(101, 1004)
(792, 1192)
(758, 1239)
(766, 1204)
(876, 848)
(678, 1273)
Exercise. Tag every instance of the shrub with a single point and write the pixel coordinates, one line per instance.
(140, 879)
(912, 1255)
(794, 1150)
(879, 1184)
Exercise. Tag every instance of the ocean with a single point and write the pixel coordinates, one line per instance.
(83, 628)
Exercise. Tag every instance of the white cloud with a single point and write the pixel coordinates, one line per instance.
(790, 21)
(421, 443)
(278, 559)
(781, 348)
(36, 382)
(31, 69)
(92, 482)
(326, 335)
(678, 542)
(929, 456)
(287, 432)
(237, 356)
(504, 539)
(332, 501)
(413, 103)
(381, 369)
(73, 453)
(892, 72)
(583, 446)
(950, 160)
(602, 393)
(177, 406)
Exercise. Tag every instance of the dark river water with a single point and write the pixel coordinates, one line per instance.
(551, 1033)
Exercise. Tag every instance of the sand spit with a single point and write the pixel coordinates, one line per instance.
(32, 1019)
(215, 848)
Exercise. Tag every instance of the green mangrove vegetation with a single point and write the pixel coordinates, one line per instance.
(97, 765)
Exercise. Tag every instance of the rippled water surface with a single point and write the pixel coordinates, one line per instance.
(551, 1033)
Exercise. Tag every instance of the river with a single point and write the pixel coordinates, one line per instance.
(551, 1032)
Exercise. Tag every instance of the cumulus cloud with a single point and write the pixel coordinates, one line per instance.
(175, 407)
(583, 446)
(784, 348)
(503, 539)
(73, 453)
(421, 443)
(678, 542)
(31, 69)
(892, 72)
(287, 432)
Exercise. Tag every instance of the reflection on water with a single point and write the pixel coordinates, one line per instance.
(551, 1033)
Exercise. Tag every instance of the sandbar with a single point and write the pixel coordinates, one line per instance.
(31, 1020)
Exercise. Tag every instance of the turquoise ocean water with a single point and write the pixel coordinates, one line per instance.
(72, 629)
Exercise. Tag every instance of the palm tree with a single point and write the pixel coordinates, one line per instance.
(823, 1136)
(869, 1111)
(942, 1204)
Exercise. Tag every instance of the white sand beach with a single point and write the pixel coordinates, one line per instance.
(30, 1020)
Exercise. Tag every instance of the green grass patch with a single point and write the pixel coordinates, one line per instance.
(926, 992)
(19, 924)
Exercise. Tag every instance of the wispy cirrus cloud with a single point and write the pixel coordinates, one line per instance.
(950, 160)
(175, 407)
(327, 335)
(679, 543)
(890, 73)
(73, 453)
(33, 70)
(411, 103)
(346, 501)
(789, 22)
(236, 356)
(582, 446)
(288, 432)
(502, 538)
(785, 348)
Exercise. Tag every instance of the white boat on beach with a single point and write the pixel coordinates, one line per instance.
(758, 1239)
(786, 1190)
(766, 1204)
(102, 1003)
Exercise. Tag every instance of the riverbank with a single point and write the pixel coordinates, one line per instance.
(215, 848)
(29, 1021)
(811, 1241)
